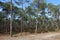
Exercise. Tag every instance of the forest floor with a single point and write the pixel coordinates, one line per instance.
(41, 36)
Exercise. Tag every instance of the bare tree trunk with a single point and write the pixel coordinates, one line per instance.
(36, 26)
(11, 19)
(21, 19)
(21, 27)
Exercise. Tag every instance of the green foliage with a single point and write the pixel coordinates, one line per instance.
(30, 19)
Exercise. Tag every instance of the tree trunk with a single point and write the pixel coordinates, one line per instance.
(11, 19)
(21, 27)
(36, 26)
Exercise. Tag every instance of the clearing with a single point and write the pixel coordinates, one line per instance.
(42, 36)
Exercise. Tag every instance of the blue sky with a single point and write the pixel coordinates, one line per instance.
(49, 1)
(56, 2)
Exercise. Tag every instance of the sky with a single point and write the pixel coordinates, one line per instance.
(48, 1)
(56, 2)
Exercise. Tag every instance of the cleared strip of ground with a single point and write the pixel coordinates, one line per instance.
(42, 36)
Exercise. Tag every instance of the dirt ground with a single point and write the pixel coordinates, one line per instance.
(41, 36)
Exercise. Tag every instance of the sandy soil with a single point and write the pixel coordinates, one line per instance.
(42, 36)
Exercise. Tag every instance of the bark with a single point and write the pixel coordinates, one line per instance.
(11, 19)
(36, 26)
